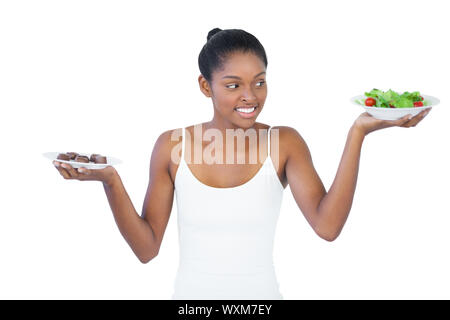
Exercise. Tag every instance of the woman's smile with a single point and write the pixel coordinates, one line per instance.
(246, 112)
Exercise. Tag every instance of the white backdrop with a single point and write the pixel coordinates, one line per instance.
(110, 76)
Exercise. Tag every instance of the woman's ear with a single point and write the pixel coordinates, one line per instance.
(204, 86)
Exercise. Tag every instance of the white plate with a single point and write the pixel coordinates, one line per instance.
(395, 113)
(110, 161)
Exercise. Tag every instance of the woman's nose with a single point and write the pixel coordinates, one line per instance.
(248, 95)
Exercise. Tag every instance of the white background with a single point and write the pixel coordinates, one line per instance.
(110, 76)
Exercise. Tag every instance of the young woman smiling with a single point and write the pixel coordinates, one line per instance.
(227, 212)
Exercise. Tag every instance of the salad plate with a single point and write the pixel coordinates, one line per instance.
(393, 106)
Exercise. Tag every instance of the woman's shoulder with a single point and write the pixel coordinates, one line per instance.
(164, 155)
(165, 144)
(289, 140)
(286, 134)
(169, 137)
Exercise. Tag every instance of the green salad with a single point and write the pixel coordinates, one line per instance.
(392, 99)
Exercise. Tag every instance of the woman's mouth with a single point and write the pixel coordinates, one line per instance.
(246, 112)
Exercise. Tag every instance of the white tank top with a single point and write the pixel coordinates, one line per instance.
(226, 236)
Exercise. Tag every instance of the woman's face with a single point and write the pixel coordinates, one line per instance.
(241, 83)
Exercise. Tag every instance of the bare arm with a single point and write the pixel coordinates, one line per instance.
(135, 230)
(304, 182)
(327, 212)
(144, 233)
(335, 206)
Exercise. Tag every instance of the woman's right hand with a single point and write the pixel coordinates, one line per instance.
(105, 175)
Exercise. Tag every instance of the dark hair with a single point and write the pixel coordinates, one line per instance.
(221, 43)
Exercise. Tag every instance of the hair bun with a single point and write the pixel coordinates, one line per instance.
(213, 32)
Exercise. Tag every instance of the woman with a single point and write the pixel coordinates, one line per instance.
(227, 213)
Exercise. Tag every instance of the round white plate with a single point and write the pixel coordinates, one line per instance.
(110, 161)
(394, 113)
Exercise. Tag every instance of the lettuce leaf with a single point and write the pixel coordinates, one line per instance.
(390, 97)
(403, 102)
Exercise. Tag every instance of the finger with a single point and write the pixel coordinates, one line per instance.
(412, 120)
(63, 172)
(70, 170)
(403, 121)
(419, 117)
(84, 172)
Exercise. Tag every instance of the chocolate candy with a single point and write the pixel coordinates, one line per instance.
(83, 159)
(92, 158)
(100, 159)
(76, 157)
(72, 155)
(63, 156)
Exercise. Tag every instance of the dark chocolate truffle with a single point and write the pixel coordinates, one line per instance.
(92, 158)
(100, 159)
(63, 156)
(72, 155)
(84, 159)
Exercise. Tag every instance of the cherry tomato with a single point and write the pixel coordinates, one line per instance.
(370, 102)
(421, 98)
(418, 104)
(391, 106)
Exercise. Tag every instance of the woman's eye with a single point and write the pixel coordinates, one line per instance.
(228, 86)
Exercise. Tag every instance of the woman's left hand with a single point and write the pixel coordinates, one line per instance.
(367, 124)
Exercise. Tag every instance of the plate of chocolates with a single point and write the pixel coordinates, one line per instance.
(85, 160)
